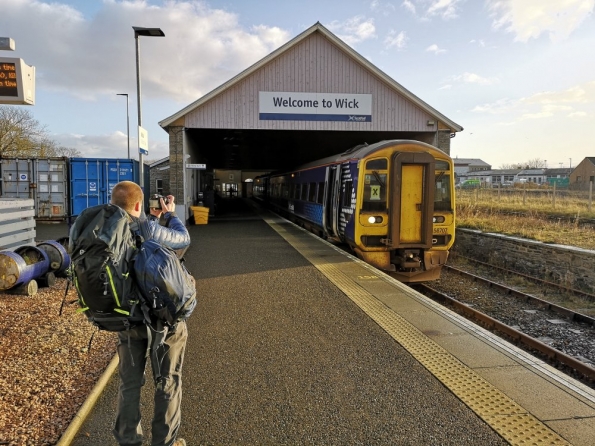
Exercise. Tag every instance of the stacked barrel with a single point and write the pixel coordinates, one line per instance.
(25, 268)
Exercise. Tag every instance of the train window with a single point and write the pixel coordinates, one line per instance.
(442, 192)
(379, 164)
(285, 191)
(320, 196)
(442, 165)
(296, 191)
(374, 191)
(312, 194)
(304, 196)
(347, 194)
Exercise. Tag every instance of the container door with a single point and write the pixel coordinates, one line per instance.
(85, 184)
(116, 170)
(50, 188)
(16, 177)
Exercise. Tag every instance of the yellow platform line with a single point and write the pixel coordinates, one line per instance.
(511, 421)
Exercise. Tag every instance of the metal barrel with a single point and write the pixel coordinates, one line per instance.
(57, 254)
(21, 266)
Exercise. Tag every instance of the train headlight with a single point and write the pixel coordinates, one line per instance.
(439, 219)
(373, 219)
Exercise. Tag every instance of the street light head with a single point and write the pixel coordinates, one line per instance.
(150, 32)
(122, 94)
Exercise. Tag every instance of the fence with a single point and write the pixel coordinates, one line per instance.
(526, 198)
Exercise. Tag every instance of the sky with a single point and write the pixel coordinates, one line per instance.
(517, 75)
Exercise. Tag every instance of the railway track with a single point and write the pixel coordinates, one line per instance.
(564, 337)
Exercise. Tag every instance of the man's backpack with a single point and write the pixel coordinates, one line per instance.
(102, 247)
(165, 284)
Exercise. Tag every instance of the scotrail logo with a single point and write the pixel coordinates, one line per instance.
(357, 118)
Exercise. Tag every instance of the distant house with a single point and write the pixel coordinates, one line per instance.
(535, 176)
(583, 174)
(159, 173)
(495, 177)
(559, 177)
(466, 167)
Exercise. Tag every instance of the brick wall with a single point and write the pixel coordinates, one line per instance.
(565, 265)
(176, 162)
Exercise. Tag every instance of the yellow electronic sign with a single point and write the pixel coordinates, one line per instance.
(8, 79)
(17, 82)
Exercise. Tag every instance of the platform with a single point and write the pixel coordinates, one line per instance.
(296, 342)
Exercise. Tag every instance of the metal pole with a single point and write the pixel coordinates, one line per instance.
(140, 118)
(127, 119)
(128, 123)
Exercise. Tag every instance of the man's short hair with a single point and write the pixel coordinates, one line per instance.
(126, 194)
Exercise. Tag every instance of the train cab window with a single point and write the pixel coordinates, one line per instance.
(312, 192)
(320, 196)
(285, 191)
(296, 191)
(442, 191)
(375, 186)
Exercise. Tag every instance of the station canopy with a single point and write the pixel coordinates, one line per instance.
(311, 98)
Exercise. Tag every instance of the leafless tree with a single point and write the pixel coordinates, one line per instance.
(23, 136)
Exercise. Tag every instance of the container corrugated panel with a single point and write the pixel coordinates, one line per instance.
(42, 179)
(92, 180)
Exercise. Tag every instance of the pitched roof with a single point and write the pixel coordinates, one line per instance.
(317, 27)
(469, 161)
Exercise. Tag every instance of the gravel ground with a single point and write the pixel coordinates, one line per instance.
(46, 368)
(570, 337)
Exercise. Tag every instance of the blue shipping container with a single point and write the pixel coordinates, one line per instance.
(92, 180)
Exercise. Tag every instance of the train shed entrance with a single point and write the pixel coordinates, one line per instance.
(312, 97)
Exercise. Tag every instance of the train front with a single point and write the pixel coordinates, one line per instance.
(406, 212)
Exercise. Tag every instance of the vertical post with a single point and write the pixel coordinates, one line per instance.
(141, 179)
(590, 194)
(128, 123)
(554, 199)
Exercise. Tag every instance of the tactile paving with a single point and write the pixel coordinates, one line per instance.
(504, 415)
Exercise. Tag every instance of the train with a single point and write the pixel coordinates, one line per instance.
(391, 202)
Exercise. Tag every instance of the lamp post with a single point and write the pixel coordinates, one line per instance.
(149, 32)
(127, 120)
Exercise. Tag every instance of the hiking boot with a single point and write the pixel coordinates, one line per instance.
(179, 442)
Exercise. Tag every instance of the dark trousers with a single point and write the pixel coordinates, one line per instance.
(132, 352)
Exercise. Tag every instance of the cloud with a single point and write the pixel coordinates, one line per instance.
(382, 8)
(354, 30)
(472, 78)
(90, 57)
(435, 49)
(574, 102)
(394, 40)
(410, 6)
(528, 19)
(445, 9)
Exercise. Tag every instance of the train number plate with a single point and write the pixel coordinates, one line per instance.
(440, 230)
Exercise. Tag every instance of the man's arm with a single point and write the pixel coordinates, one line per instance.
(174, 235)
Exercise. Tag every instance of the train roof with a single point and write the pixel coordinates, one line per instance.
(361, 151)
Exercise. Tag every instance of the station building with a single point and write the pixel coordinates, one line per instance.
(313, 97)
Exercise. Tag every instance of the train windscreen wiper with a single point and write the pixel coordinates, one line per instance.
(378, 178)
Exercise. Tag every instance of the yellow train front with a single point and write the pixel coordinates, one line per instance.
(392, 202)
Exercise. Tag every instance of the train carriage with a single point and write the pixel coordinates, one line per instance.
(392, 202)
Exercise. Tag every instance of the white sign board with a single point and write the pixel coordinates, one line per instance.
(143, 141)
(294, 106)
(196, 166)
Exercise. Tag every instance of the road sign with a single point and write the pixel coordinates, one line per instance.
(196, 166)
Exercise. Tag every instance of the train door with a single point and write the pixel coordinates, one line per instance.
(332, 187)
(412, 200)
